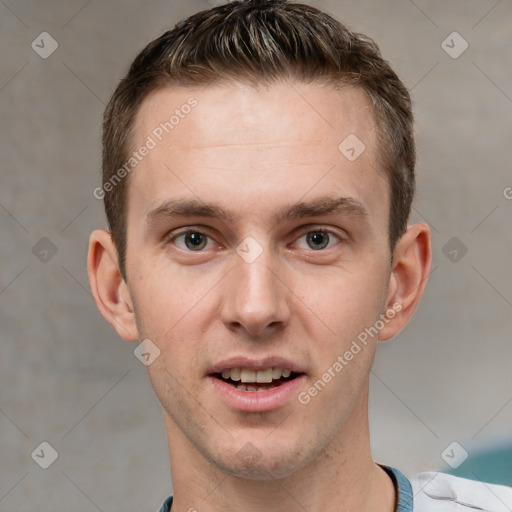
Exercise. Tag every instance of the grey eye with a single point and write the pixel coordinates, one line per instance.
(195, 241)
(317, 240)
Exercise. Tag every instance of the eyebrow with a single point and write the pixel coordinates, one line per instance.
(317, 207)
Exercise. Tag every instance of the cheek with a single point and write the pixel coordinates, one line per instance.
(166, 296)
(167, 315)
(344, 303)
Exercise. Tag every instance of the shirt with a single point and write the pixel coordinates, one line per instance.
(439, 492)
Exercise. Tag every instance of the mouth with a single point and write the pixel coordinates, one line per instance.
(251, 380)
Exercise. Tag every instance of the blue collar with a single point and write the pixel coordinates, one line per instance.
(403, 489)
(166, 507)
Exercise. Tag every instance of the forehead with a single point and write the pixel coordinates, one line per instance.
(239, 114)
(280, 138)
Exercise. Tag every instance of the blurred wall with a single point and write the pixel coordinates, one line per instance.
(67, 379)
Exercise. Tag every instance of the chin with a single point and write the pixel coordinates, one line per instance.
(265, 461)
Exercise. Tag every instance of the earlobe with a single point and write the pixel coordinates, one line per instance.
(110, 291)
(412, 259)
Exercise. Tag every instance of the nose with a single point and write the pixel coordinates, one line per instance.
(255, 298)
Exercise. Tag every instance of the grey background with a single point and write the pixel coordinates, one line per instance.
(67, 378)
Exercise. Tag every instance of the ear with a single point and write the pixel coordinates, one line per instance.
(412, 259)
(108, 287)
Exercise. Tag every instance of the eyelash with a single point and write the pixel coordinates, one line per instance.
(171, 238)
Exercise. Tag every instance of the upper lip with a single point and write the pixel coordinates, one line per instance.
(255, 364)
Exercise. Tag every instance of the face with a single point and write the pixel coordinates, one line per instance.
(258, 250)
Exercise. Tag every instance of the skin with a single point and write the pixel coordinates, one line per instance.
(255, 152)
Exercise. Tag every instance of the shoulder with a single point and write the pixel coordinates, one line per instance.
(448, 493)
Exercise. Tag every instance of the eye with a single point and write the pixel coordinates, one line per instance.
(319, 239)
(191, 240)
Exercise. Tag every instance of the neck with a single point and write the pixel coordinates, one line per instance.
(341, 478)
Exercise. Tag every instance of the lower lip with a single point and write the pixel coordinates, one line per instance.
(257, 401)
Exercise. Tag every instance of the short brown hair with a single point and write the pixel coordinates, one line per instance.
(261, 42)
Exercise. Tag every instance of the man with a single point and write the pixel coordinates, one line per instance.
(258, 174)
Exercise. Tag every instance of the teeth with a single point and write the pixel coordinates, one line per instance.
(248, 376)
(264, 375)
(276, 373)
(236, 374)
